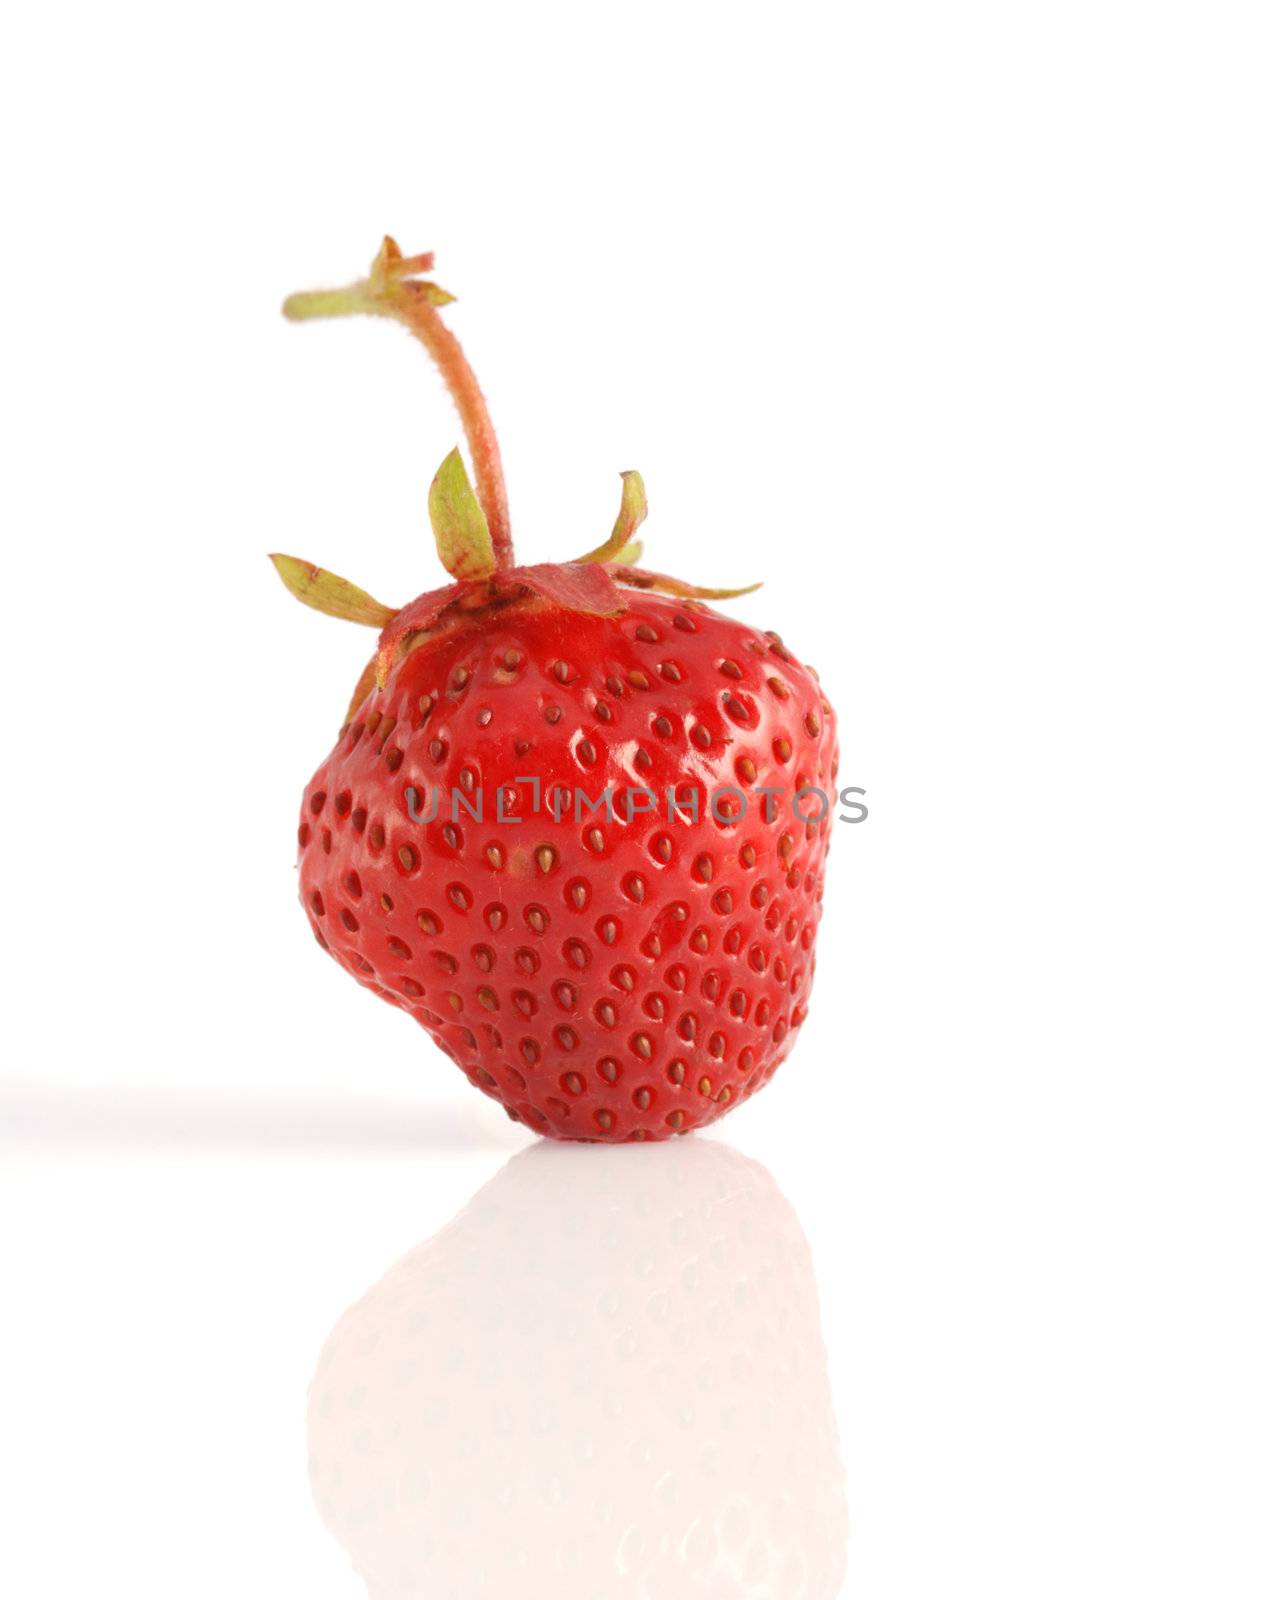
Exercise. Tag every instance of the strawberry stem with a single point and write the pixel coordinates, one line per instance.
(395, 289)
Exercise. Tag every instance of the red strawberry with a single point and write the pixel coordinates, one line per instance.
(619, 968)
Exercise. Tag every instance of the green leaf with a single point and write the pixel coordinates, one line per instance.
(637, 578)
(633, 511)
(461, 528)
(327, 592)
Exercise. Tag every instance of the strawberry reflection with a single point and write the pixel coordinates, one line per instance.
(604, 1380)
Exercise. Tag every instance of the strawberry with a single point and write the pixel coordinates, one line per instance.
(575, 822)
(606, 1377)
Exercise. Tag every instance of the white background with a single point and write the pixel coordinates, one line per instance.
(949, 321)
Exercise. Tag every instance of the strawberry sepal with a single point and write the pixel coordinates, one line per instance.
(632, 513)
(418, 616)
(463, 542)
(570, 585)
(638, 578)
(328, 593)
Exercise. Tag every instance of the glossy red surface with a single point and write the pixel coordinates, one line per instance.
(622, 974)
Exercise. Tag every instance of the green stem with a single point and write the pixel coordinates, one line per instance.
(390, 291)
